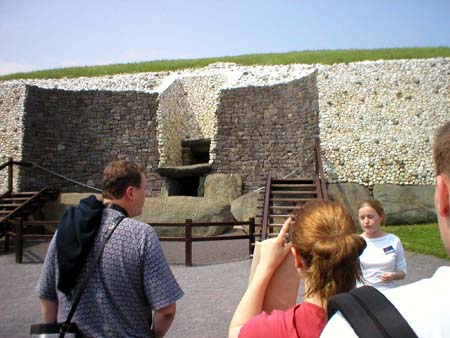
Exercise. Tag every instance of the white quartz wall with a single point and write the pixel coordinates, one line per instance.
(202, 94)
(377, 119)
(12, 99)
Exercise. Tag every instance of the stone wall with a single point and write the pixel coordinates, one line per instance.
(377, 119)
(267, 130)
(77, 133)
(11, 128)
(186, 112)
(202, 94)
(173, 113)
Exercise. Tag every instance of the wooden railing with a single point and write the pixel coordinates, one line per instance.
(319, 168)
(187, 237)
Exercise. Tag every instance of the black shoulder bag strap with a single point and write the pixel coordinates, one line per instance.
(65, 327)
(370, 314)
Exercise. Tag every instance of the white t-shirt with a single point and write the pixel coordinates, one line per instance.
(424, 304)
(382, 254)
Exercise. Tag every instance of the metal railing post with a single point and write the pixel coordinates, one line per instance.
(19, 242)
(188, 242)
(251, 234)
(10, 174)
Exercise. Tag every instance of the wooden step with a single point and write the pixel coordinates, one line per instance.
(289, 192)
(281, 207)
(281, 199)
(25, 193)
(293, 180)
(14, 199)
(312, 185)
(9, 205)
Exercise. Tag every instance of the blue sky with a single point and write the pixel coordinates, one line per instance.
(43, 34)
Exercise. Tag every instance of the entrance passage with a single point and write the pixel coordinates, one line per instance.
(195, 151)
(186, 180)
(183, 186)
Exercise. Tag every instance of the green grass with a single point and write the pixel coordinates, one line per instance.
(308, 57)
(422, 238)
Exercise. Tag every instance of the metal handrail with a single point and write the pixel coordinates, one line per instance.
(11, 162)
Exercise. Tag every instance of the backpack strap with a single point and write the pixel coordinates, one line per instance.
(370, 314)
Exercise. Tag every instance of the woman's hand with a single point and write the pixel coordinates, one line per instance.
(387, 277)
(272, 253)
(391, 276)
(274, 250)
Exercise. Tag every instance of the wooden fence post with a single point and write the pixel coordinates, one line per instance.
(251, 234)
(10, 175)
(188, 241)
(6, 241)
(19, 243)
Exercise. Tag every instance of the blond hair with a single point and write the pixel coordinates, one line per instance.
(325, 237)
(441, 149)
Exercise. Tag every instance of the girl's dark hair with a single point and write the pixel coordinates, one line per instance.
(325, 237)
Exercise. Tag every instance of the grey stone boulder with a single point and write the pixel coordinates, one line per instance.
(176, 209)
(406, 204)
(223, 187)
(53, 210)
(184, 171)
(245, 206)
(349, 194)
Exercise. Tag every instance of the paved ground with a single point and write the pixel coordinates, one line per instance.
(212, 287)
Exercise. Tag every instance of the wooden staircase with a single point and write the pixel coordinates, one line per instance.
(20, 205)
(280, 197)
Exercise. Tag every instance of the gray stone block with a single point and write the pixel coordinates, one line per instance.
(245, 206)
(349, 194)
(176, 209)
(223, 187)
(410, 204)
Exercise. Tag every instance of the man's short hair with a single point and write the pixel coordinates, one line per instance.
(118, 176)
(441, 149)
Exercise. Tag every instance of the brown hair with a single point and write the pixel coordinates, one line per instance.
(325, 237)
(118, 176)
(441, 149)
(374, 204)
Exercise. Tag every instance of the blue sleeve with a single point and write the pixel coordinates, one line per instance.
(160, 285)
(46, 286)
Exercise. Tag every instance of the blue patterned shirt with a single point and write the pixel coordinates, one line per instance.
(131, 279)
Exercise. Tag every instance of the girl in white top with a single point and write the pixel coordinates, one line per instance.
(383, 261)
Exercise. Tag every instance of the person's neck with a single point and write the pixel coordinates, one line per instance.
(119, 203)
(314, 298)
(373, 235)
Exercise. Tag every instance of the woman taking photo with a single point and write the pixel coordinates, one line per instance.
(383, 261)
(326, 250)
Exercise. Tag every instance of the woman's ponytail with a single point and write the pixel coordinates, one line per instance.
(325, 237)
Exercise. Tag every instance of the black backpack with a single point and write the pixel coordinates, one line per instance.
(370, 314)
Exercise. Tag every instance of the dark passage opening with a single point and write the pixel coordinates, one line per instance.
(183, 186)
(195, 151)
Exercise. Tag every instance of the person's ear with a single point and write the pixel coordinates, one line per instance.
(129, 192)
(443, 196)
(297, 258)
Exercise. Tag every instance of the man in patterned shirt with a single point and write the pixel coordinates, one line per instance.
(132, 292)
